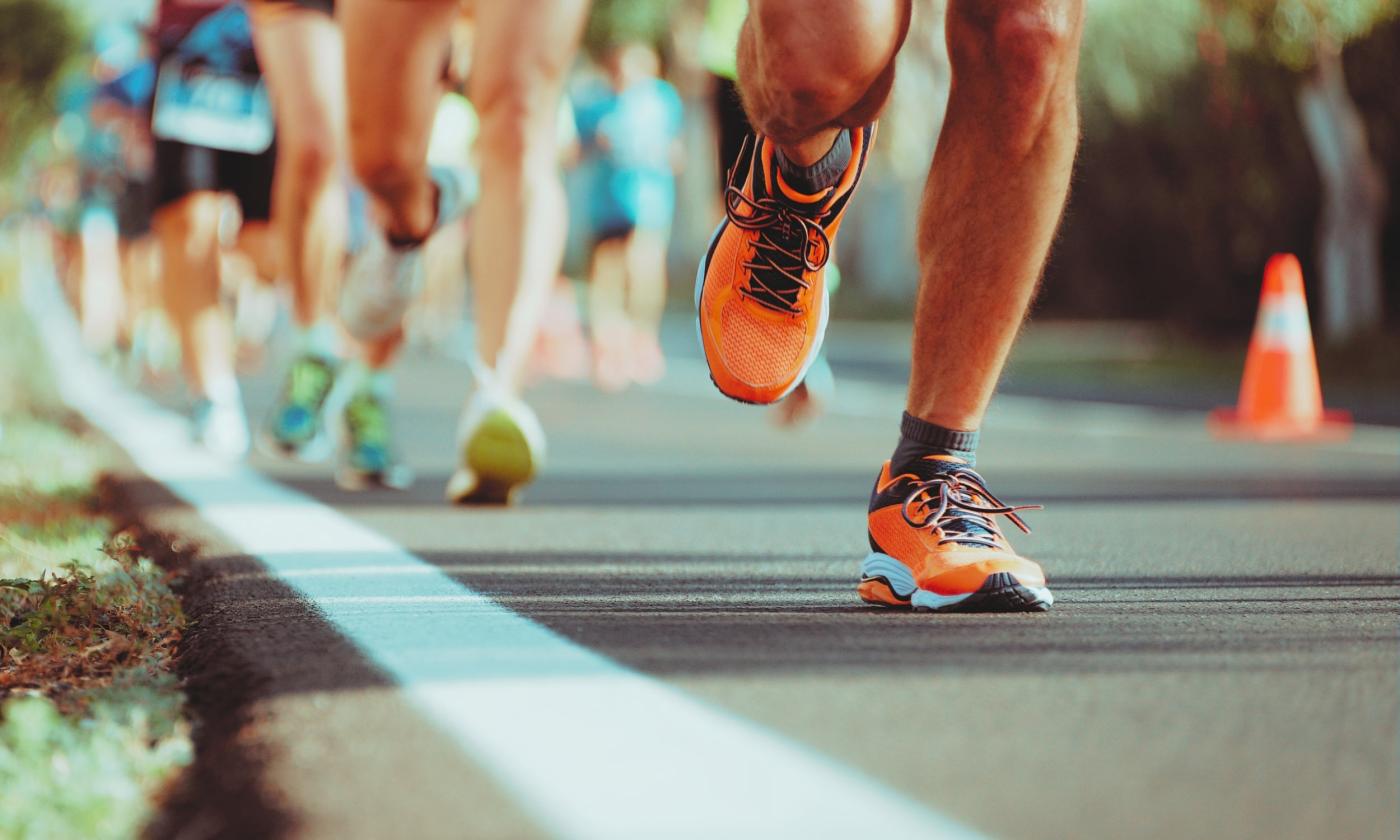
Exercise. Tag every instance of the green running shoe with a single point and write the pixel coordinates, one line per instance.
(296, 427)
(368, 459)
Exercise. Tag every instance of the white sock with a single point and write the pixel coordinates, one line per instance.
(380, 383)
(362, 378)
(223, 392)
(319, 339)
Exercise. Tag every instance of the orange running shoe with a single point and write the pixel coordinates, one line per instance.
(760, 291)
(935, 545)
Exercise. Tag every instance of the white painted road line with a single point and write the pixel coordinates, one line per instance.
(590, 748)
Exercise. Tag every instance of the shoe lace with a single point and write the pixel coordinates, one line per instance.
(788, 245)
(958, 505)
(367, 422)
(309, 382)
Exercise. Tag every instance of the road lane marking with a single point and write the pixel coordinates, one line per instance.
(589, 747)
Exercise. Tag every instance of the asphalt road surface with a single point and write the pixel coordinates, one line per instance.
(1221, 660)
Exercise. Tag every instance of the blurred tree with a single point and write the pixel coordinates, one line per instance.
(1233, 90)
(1372, 66)
(38, 39)
(1306, 36)
(1349, 244)
(613, 22)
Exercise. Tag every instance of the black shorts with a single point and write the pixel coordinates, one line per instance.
(182, 169)
(133, 208)
(616, 229)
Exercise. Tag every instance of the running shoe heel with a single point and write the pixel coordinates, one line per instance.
(499, 457)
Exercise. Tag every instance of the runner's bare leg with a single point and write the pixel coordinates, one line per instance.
(999, 177)
(646, 278)
(394, 53)
(302, 57)
(523, 53)
(808, 69)
(994, 196)
(188, 232)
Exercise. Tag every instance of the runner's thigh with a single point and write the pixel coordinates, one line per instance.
(395, 52)
(302, 58)
(523, 50)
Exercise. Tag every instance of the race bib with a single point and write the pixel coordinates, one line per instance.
(200, 106)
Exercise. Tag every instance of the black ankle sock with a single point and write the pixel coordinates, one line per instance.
(404, 243)
(400, 243)
(822, 174)
(920, 438)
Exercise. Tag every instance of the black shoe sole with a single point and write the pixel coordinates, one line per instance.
(1001, 592)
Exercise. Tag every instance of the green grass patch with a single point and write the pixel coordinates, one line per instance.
(92, 718)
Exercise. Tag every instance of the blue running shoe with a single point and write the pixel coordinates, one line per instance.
(368, 458)
(296, 426)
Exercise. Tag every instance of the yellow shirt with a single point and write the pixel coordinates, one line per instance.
(719, 40)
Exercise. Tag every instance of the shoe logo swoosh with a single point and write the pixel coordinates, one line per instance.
(882, 486)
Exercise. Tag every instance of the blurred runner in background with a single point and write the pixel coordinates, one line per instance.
(123, 105)
(439, 317)
(302, 56)
(813, 85)
(630, 128)
(100, 166)
(213, 129)
(395, 51)
(562, 350)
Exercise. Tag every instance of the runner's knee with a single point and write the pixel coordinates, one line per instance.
(800, 70)
(188, 220)
(517, 122)
(1027, 49)
(310, 163)
(387, 170)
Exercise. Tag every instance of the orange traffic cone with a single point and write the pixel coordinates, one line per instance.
(1281, 395)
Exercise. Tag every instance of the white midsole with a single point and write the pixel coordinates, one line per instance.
(902, 583)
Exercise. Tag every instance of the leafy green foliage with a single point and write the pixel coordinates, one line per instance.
(92, 777)
(1137, 51)
(1194, 167)
(1131, 50)
(615, 22)
(1174, 212)
(91, 714)
(1289, 30)
(71, 633)
(41, 38)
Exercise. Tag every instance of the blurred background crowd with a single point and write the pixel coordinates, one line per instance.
(1216, 132)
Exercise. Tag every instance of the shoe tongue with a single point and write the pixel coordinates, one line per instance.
(798, 199)
(959, 526)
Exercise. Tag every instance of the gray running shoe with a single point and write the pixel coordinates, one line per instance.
(383, 280)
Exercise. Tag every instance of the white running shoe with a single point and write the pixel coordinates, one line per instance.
(383, 280)
(221, 428)
(500, 447)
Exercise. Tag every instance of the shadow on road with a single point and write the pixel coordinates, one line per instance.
(680, 615)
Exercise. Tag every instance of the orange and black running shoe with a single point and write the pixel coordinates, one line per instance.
(935, 544)
(760, 291)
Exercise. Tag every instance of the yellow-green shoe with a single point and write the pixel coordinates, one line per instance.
(500, 448)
